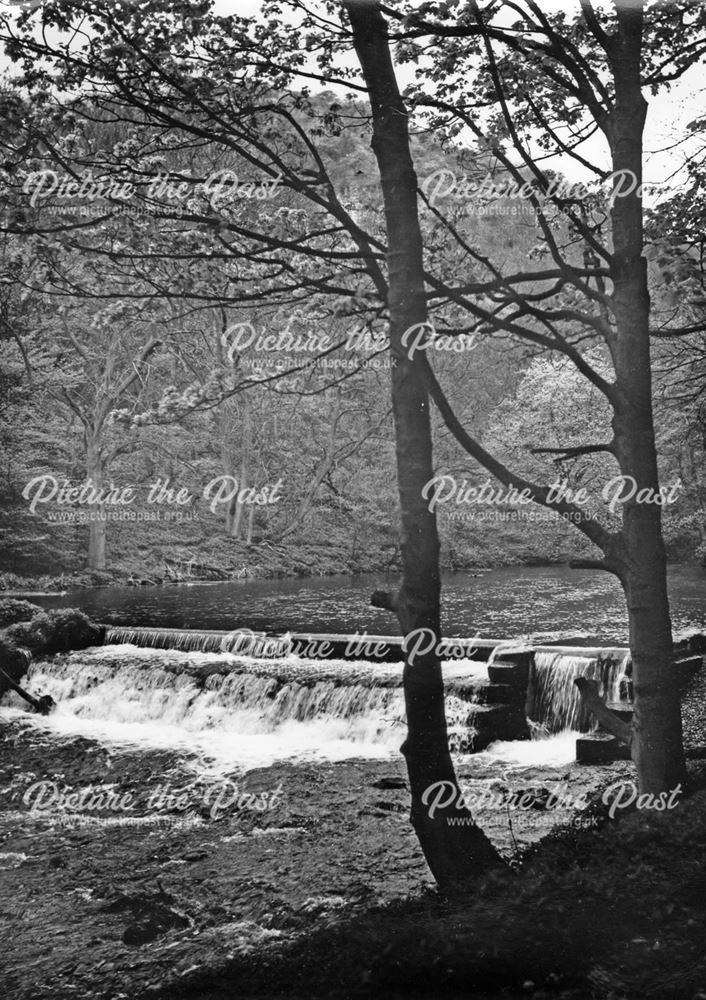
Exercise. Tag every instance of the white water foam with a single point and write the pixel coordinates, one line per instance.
(121, 696)
(235, 712)
(554, 751)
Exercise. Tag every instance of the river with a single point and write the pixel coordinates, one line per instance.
(500, 603)
(146, 697)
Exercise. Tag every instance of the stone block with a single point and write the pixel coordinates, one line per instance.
(623, 709)
(515, 674)
(600, 748)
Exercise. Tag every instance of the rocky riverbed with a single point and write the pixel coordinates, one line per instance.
(128, 873)
(136, 869)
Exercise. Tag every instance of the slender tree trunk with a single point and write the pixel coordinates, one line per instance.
(230, 510)
(246, 448)
(96, 529)
(453, 852)
(657, 742)
(323, 467)
(225, 432)
(251, 525)
(234, 514)
(238, 509)
(234, 510)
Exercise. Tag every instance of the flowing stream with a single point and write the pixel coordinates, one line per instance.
(500, 603)
(229, 710)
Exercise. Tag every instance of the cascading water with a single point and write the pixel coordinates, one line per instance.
(245, 699)
(238, 711)
(553, 701)
(194, 640)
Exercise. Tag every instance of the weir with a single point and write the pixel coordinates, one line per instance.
(187, 640)
(317, 691)
(244, 709)
(496, 689)
(321, 646)
(553, 702)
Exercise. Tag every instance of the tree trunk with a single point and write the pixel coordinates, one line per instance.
(234, 509)
(234, 512)
(96, 529)
(42, 705)
(230, 510)
(657, 742)
(246, 448)
(323, 467)
(453, 852)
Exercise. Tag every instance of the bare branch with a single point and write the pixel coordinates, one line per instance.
(574, 452)
(599, 535)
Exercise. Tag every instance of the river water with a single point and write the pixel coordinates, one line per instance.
(501, 603)
(147, 698)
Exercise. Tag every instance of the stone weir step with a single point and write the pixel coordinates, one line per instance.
(312, 645)
(327, 646)
(464, 680)
(386, 648)
(623, 709)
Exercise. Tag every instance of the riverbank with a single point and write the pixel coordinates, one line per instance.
(177, 879)
(14, 585)
(253, 565)
(326, 893)
(129, 871)
(324, 545)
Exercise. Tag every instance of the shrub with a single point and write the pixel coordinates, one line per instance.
(57, 632)
(12, 610)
